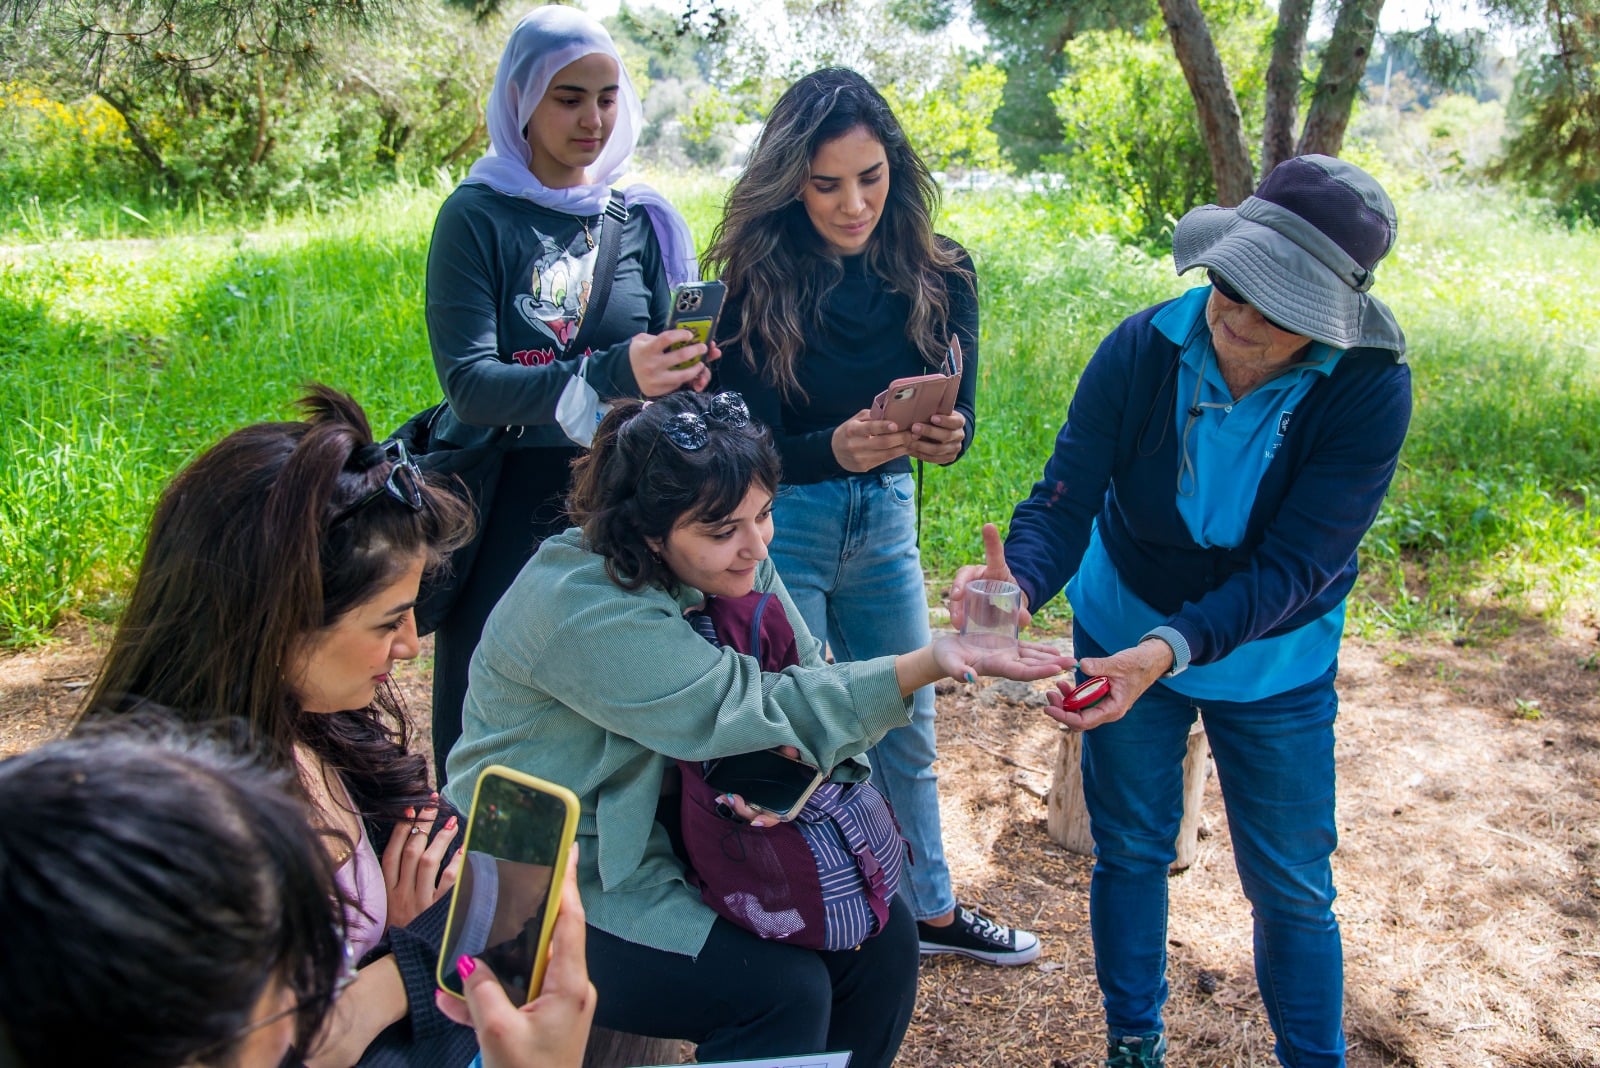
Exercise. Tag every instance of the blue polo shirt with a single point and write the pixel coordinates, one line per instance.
(1224, 450)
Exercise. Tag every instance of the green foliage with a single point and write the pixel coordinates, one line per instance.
(261, 127)
(704, 128)
(1136, 145)
(59, 149)
(139, 41)
(950, 125)
(1449, 143)
(1556, 110)
(124, 359)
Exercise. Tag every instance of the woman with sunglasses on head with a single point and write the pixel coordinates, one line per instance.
(838, 285)
(273, 600)
(1223, 455)
(590, 674)
(511, 273)
(168, 906)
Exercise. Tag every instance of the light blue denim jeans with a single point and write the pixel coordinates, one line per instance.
(1275, 765)
(847, 550)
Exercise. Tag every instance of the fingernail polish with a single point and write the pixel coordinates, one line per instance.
(450, 824)
(465, 966)
(970, 677)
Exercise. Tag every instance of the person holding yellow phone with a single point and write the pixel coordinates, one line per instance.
(519, 301)
(550, 1031)
(131, 858)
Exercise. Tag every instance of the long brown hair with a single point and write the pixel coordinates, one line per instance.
(773, 260)
(258, 544)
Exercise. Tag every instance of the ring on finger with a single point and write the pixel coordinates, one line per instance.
(416, 830)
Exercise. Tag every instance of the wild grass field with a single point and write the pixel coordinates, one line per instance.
(126, 352)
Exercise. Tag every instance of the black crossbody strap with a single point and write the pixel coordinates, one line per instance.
(612, 221)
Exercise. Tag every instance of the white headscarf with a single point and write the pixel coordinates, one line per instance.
(544, 42)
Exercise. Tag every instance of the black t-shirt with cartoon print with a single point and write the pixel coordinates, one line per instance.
(508, 282)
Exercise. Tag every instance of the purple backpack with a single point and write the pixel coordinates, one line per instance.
(823, 880)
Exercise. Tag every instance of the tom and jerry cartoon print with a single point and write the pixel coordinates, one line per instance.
(558, 293)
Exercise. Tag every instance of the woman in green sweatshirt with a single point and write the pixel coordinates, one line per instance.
(589, 674)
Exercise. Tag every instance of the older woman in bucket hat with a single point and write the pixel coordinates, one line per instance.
(1222, 457)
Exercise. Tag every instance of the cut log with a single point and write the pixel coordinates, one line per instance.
(1067, 817)
(617, 1049)
(1196, 769)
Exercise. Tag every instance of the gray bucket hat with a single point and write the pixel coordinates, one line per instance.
(1302, 251)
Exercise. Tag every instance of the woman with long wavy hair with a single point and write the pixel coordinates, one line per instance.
(273, 600)
(837, 285)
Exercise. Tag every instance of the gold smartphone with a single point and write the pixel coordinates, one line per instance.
(503, 908)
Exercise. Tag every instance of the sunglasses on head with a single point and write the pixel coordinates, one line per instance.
(1233, 296)
(690, 432)
(404, 483)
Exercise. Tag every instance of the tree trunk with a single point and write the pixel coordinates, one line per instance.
(1283, 83)
(124, 107)
(259, 149)
(1340, 79)
(1220, 122)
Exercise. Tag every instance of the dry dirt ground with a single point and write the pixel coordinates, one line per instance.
(1469, 865)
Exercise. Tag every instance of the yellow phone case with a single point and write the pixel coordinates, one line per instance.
(569, 832)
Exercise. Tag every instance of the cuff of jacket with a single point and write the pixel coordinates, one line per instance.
(1177, 642)
(416, 952)
(611, 372)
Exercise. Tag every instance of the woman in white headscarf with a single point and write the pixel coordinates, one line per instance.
(511, 270)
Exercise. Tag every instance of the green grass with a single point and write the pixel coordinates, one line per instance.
(123, 358)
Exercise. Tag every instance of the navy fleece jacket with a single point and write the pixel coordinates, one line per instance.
(1116, 460)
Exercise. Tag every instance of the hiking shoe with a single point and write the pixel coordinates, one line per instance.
(980, 938)
(1137, 1051)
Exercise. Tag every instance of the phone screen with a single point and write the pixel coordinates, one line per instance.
(515, 838)
(766, 779)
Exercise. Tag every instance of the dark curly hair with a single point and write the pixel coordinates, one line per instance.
(265, 539)
(634, 485)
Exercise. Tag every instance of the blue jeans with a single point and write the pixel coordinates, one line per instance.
(847, 550)
(1274, 761)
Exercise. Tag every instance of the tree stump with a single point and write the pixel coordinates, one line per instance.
(1196, 769)
(617, 1049)
(1067, 818)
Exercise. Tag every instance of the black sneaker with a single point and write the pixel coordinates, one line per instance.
(980, 938)
(1137, 1051)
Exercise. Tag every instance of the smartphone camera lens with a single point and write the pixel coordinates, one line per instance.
(689, 300)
